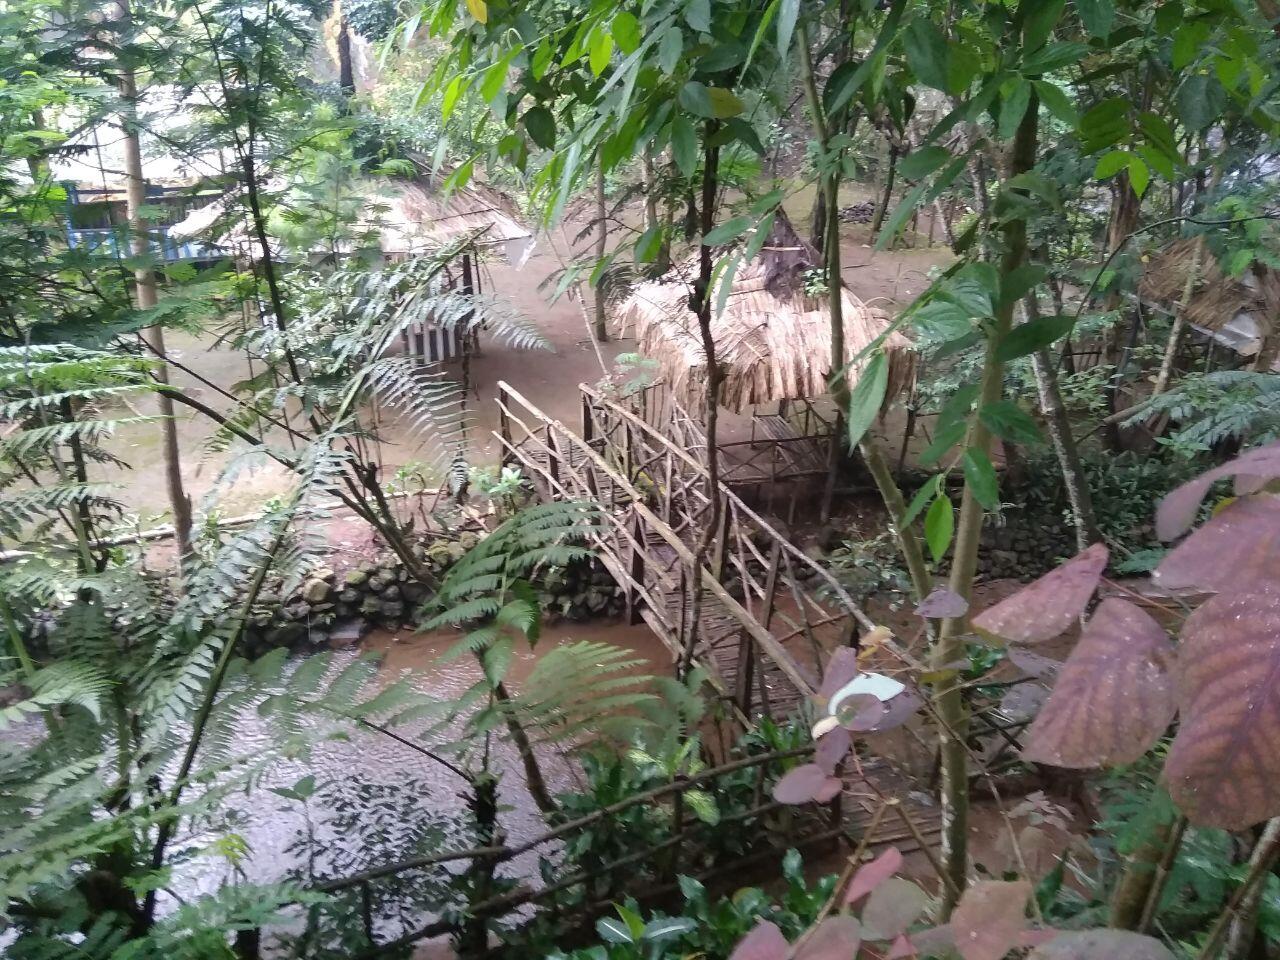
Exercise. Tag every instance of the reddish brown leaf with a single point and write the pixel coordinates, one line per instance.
(1114, 697)
(877, 717)
(829, 790)
(841, 668)
(832, 748)
(764, 942)
(1239, 544)
(1101, 945)
(1048, 606)
(936, 941)
(1177, 511)
(1033, 664)
(1224, 762)
(891, 908)
(942, 602)
(803, 784)
(990, 919)
(836, 938)
(871, 875)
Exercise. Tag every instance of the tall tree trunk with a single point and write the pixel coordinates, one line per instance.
(346, 75)
(146, 297)
(701, 303)
(1063, 439)
(952, 711)
(1179, 319)
(818, 219)
(887, 196)
(602, 232)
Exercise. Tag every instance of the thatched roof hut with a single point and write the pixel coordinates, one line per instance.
(1238, 312)
(773, 340)
(409, 215)
(1215, 297)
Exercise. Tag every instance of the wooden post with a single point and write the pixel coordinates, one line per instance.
(677, 831)
(366, 913)
(746, 668)
(588, 424)
(637, 575)
(504, 426)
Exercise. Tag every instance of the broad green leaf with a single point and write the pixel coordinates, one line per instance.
(1057, 102)
(1013, 108)
(697, 13)
(1199, 101)
(1105, 125)
(1018, 283)
(745, 134)
(944, 438)
(788, 12)
(633, 920)
(1110, 164)
(1054, 57)
(613, 930)
(867, 397)
(695, 98)
(1139, 175)
(724, 103)
(1010, 423)
(626, 31)
(1159, 134)
(1041, 17)
(541, 127)
(450, 99)
(541, 59)
(941, 320)
(728, 231)
(684, 145)
(648, 245)
(923, 162)
(1157, 161)
(1097, 16)
(981, 477)
(939, 525)
(958, 406)
(665, 928)
(1188, 41)
(479, 9)
(600, 51)
(932, 487)
(669, 49)
(1027, 338)
(927, 53)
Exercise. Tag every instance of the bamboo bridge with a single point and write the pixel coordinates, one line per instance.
(769, 613)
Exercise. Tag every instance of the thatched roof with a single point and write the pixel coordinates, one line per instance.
(772, 339)
(409, 215)
(1216, 299)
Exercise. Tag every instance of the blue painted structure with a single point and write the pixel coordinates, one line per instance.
(106, 234)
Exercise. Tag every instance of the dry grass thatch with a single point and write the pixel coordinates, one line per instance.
(1216, 299)
(772, 339)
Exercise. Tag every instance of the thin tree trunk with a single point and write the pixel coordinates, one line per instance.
(818, 219)
(701, 302)
(1179, 320)
(1243, 928)
(1134, 888)
(887, 196)
(952, 711)
(346, 75)
(534, 779)
(602, 320)
(146, 297)
(1063, 439)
